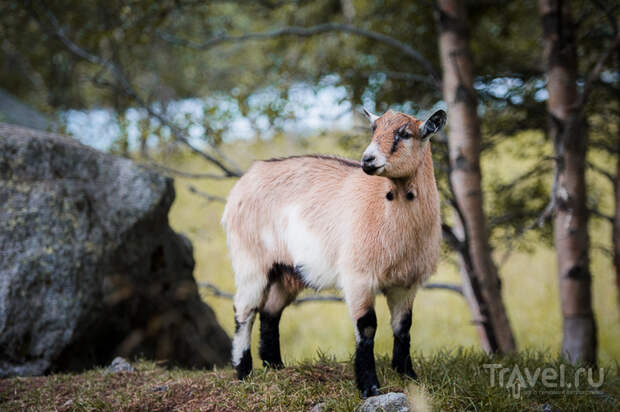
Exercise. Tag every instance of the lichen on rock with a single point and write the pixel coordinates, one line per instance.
(89, 266)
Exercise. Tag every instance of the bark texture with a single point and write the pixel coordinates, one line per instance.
(567, 128)
(616, 221)
(481, 280)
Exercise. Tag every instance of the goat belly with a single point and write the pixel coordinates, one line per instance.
(308, 250)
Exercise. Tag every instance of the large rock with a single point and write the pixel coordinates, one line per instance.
(89, 267)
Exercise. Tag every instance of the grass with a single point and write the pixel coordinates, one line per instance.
(448, 381)
(447, 358)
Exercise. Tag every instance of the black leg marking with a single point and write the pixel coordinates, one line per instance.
(245, 366)
(401, 358)
(269, 346)
(365, 373)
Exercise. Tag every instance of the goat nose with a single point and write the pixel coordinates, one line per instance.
(368, 159)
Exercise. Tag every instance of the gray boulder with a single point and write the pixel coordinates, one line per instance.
(390, 402)
(89, 267)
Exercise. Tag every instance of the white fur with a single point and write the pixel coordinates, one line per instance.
(307, 251)
(268, 239)
(241, 340)
(374, 150)
(247, 272)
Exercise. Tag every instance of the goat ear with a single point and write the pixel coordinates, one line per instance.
(433, 124)
(371, 117)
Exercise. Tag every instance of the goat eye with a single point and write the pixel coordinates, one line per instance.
(374, 127)
(405, 135)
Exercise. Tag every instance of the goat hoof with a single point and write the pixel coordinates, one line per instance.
(245, 365)
(371, 391)
(243, 373)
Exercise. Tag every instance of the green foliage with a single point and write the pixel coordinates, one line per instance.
(256, 77)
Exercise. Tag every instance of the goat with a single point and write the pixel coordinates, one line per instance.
(322, 221)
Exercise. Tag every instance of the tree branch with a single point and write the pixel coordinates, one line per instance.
(408, 77)
(539, 221)
(175, 172)
(125, 85)
(596, 71)
(326, 298)
(550, 208)
(602, 172)
(608, 14)
(318, 298)
(450, 238)
(538, 169)
(601, 215)
(605, 147)
(444, 286)
(205, 195)
(455, 205)
(299, 31)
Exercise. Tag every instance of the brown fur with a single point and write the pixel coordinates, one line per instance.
(373, 243)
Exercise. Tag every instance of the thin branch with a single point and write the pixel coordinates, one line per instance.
(596, 71)
(550, 208)
(537, 170)
(299, 31)
(175, 172)
(444, 286)
(450, 238)
(603, 249)
(463, 248)
(318, 298)
(455, 205)
(393, 75)
(585, 14)
(126, 88)
(610, 17)
(215, 290)
(326, 298)
(205, 195)
(182, 137)
(601, 215)
(546, 212)
(600, 145)
(539, 221)
(602, 172)
(73, 47)
(510, 217)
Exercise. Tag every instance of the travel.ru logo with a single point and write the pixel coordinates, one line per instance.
(549, 380)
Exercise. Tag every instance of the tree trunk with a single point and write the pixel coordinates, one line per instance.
(616, 221)
(570, 223)
(464, 141)
(472, 292)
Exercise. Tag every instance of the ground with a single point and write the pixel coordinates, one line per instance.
(451, 378)
(448, 381)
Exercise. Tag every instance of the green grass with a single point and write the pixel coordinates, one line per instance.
(445, 345)
(447, 381)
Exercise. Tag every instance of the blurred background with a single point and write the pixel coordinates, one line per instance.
(200, 89)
